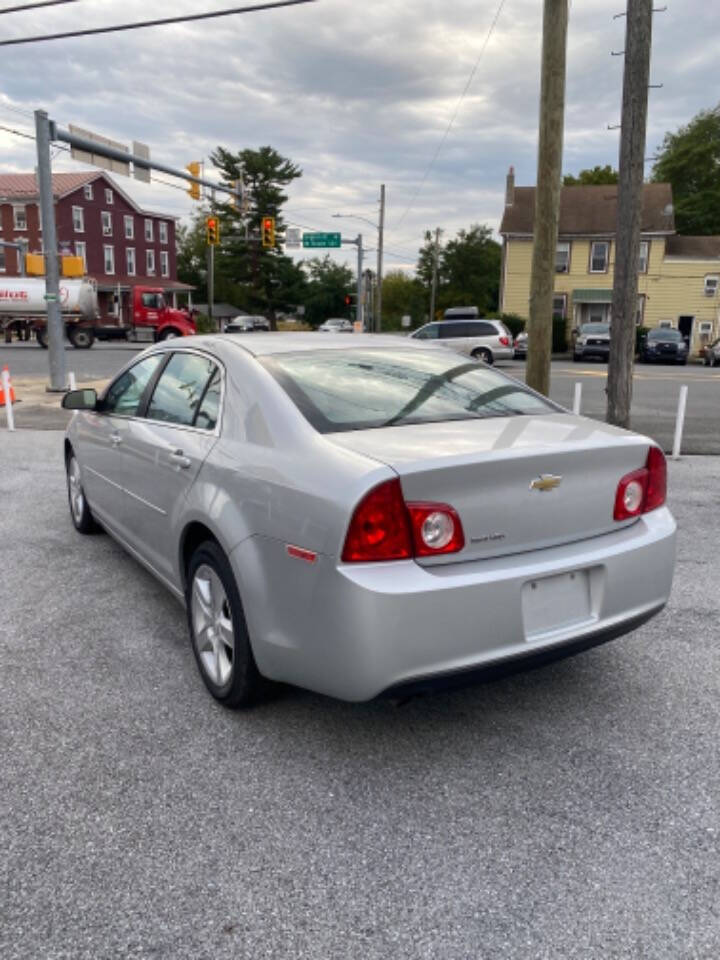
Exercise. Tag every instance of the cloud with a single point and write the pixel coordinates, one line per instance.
(357, 94)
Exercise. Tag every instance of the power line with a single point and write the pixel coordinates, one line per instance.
(454, 115)
(165, 21)
(32, 6)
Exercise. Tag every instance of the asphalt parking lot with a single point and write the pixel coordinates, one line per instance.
(570, 813)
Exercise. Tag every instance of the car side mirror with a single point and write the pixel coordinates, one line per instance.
(80, 400)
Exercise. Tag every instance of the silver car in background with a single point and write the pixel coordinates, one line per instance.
(366, 515)
(487, 340)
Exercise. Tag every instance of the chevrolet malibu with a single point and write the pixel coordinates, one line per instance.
(368, 517)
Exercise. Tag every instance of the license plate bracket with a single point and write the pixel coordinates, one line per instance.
(556, 603)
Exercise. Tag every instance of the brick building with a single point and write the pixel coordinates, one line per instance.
(121, 244)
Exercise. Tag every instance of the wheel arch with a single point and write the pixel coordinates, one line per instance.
(193, 535)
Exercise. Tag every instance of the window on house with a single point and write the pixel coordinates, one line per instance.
(149, 230)
(711, 285)
(599, 256)
(81, 251)
(558, 306)
(163, 232)
(88, 191)
(130, 261)
(640, 314)
(109, 255)
(109, 199)
(150, 263)
(562, 257)
(643, 256)
(20, 217)
(3, 263)
(106, 223)
(164, 263)
(129, 227)
(78, 219)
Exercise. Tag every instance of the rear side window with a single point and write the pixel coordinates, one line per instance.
(481, 329)
(450, 331)
(180, 389)
(125, 395)
(210, 405)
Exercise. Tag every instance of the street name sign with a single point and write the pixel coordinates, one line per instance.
(321, 240)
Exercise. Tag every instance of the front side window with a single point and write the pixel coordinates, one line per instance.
(81, 251)
(338, 390)
(149, 230)
(125, 394)
(562, 257)
(78, 215)
(106, 219)
(129, 227)
(150, 263)
(130, 261)
(599, 255)
(181, 389)
(153, 301)
(163, 232)
(428, 332)
(19, 217)
(109, 258)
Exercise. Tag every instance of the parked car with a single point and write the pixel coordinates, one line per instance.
(592, 340)
(336, 325)
(663, 345)
(370, 515)
(487, 340)
(711, 354)
(520, 346)
(247, 324)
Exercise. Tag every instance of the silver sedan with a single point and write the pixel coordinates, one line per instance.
(369, 516)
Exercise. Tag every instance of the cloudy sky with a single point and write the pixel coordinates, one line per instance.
(357, 93)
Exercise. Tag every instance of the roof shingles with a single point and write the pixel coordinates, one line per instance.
(23, 186)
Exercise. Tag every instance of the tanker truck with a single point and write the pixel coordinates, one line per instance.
(23, 307)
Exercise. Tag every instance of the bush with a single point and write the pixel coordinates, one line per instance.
(203, 324)
(640, 332)
(513, 321)
(559, 338)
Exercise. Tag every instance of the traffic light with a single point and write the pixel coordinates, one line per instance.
(212, 231)
(194, 170)
(350, 299)
(267, 231)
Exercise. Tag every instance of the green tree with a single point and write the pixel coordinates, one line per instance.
(595, 176)
(192, 255)
(468, 270)
(327, 284)
(402, 296)
(690, 161)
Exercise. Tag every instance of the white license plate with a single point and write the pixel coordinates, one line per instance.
(555, 603)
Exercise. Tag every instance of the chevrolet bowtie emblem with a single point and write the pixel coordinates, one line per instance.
(545, 482)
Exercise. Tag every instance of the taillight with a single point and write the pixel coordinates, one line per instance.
(436, 529)
(384, 527)
(505, 341)
(642, 490)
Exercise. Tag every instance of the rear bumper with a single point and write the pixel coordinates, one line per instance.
(368, 628)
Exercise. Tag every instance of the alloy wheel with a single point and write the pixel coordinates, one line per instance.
(212, 625)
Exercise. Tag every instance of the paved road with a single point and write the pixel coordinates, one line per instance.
(572, 813)
(656, 390)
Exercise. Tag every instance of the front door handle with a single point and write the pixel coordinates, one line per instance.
(115, 439)
(179, 459)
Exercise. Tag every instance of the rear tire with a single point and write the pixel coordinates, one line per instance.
(169, 334)
(218, 630)
(42, 337)
(81, 337)
(482, 353)
(80, 512)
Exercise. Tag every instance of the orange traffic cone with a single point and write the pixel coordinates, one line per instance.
(2, 390)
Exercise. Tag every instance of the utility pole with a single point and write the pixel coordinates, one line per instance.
(378, 293)
(55, 333)
(547, 193)
(636, 76)
(433, 288)
(211, 282)
(359, 311)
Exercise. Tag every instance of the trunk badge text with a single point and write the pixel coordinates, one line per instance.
(545, 482)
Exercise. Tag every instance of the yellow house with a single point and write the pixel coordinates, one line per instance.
(678, 277)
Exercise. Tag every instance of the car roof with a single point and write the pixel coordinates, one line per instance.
(267, 344)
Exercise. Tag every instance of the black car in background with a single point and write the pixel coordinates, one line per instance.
(663, 345)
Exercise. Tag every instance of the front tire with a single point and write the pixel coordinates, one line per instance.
(169, 334)
(80, 512)
(218, 630)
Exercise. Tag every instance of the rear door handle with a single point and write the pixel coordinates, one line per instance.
(179, 459)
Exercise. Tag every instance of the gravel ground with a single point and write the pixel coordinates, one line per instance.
(570, 813)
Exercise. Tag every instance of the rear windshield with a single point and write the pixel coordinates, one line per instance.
(340, 390)
(664, 333)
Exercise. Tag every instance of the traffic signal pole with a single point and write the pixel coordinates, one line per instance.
(360, 312)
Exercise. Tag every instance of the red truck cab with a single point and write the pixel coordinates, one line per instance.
(150, 313)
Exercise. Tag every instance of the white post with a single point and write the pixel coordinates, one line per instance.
(71, 381)
(8, 401)
(680, 422)
(577, 399)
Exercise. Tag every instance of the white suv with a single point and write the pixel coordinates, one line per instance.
(487, 340)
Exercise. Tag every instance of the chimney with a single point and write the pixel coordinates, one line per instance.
(510, 188)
